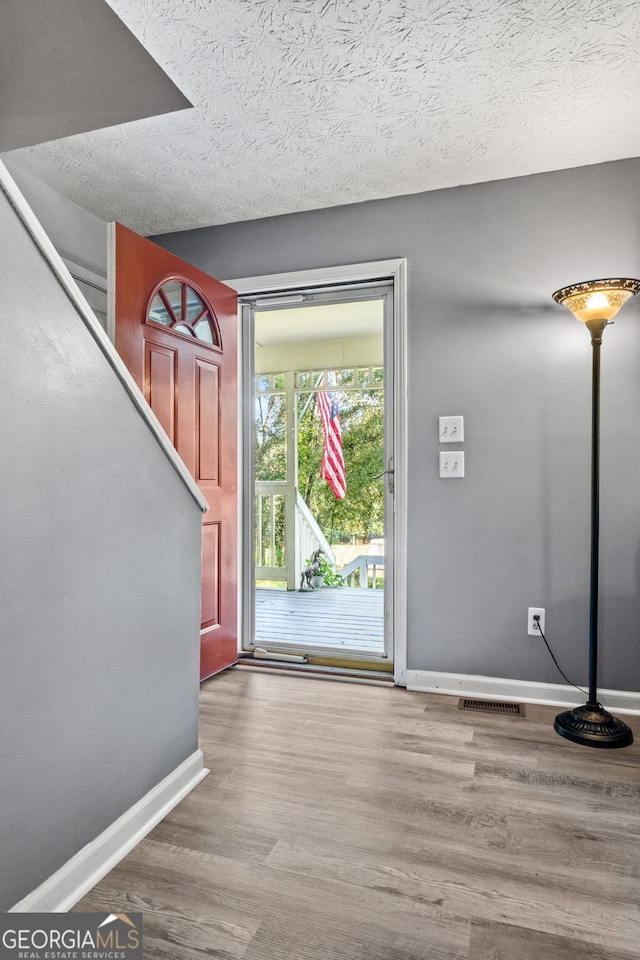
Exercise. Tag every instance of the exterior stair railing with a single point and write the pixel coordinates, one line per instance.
(287, 533)
(358, 569)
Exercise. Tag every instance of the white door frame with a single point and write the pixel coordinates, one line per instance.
(395, 270)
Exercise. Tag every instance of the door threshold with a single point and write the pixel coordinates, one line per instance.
(356, 674)
(322, 658)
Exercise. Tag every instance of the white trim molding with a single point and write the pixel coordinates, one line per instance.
(396, 271)
(63, 889)
(521, 691)
(353, 273)
(87, 276)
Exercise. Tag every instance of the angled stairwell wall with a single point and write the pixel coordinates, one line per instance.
(100, 575)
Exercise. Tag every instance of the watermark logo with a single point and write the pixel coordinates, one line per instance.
(71, 936)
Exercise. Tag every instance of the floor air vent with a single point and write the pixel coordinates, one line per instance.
(492, 706)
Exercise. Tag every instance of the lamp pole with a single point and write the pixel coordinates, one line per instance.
(596, 329)
(595, 303)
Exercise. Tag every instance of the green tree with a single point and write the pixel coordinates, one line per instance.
(361, 512)
(271, 443)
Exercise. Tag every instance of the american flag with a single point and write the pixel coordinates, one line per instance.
(332, 468)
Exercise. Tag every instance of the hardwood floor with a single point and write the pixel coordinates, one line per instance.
(349, 822)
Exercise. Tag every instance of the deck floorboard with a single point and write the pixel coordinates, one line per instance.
(342, 617)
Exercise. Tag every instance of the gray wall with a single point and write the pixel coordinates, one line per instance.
(76, 234)
(486, 341)
(72, 66)
(100, 570)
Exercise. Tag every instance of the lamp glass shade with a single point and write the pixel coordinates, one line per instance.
(597, 299)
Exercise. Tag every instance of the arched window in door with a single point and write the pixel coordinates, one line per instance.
(182, 308)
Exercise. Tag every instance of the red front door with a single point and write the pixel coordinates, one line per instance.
(176, 330)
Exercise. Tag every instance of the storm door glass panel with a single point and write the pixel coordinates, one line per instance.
(271, 436)
(320, 443)
(270, 551)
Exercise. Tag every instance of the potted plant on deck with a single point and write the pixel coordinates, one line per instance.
(327, 576)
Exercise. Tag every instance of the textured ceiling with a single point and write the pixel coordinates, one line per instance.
(300, 104)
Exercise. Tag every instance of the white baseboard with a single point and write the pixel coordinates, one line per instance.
(63, 889)
(522, 691)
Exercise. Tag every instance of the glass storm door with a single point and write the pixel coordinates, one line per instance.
(321, 450)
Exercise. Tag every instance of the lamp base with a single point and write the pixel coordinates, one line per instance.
(592, 726)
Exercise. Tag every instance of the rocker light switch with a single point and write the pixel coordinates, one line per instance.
(451, 464)
(450, 429)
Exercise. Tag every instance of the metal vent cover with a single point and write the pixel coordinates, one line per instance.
(492, 706)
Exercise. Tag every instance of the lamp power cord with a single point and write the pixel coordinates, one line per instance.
(561, 671)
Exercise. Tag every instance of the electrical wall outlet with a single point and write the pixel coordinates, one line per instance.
(451, 464)
(535, 627)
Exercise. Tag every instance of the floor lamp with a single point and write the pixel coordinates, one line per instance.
(595, 303)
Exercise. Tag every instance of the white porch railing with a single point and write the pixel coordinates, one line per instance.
(287, 533)
(359, 569)
(309, 537)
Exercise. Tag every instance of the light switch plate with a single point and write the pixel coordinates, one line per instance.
(450, 429)
(451, 464)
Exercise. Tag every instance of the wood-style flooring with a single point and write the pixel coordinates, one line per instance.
(342, 619)
(343, 821)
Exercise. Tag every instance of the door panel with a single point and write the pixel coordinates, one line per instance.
(162, 307)
(208, 444)
(160, 375)
(210, 574)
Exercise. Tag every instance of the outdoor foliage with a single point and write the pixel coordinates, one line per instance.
(271, 447)
(328, 572)
(361, 513)
(264, 556)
